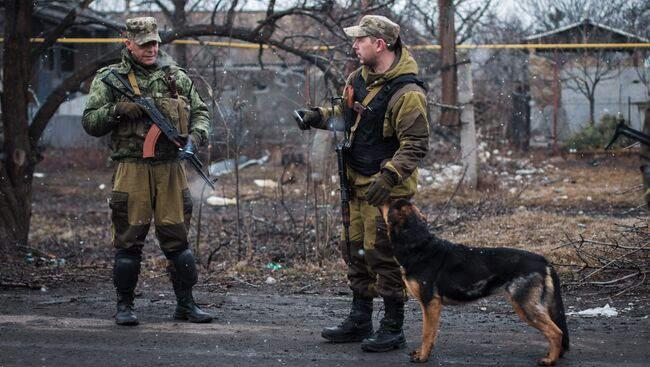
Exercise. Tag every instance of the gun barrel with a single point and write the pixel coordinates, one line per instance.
(636, 135)
(197, 167)
(617, 133)
(298, 118)
(622, 129)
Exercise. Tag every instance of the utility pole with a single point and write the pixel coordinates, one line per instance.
(447, 32)
(468, 141)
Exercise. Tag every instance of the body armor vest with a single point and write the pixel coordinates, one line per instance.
(369, 147)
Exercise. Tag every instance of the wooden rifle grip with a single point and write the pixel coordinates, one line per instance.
(348, 96)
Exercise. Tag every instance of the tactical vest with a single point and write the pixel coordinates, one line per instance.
(369, 147)
(129, 136)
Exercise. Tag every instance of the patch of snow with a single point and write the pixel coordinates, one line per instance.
(606, 311)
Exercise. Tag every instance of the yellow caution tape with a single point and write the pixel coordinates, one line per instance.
(413, 47)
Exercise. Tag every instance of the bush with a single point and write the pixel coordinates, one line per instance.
(595, 136)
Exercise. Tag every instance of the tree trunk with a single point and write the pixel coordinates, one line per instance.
(519, 129)
(592, 108)
(18, 167)
(179, 21)
(447, 34)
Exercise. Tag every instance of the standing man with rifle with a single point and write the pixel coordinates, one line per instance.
(134, 101)
(384, 107)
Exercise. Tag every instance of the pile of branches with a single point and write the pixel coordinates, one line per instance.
(617, 266)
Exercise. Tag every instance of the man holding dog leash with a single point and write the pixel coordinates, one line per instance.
(387, 111)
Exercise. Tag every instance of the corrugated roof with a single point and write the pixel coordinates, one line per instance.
(623, 33)
(55, 11)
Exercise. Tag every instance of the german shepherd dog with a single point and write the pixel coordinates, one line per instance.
(438, 272)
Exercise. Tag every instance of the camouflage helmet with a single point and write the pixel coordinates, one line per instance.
(377, 26)
(142, 30)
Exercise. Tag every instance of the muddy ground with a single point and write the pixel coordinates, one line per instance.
(273, 290)
(71, 326)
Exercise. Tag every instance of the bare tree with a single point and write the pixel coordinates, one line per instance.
(584, 72)
(451, 22)
(21, 138)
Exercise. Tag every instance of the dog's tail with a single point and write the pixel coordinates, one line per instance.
(557, 311)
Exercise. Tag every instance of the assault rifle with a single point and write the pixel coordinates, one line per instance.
(342, 146)
(622, 129)
(159, 124)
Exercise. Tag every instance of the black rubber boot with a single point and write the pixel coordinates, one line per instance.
(125, 315)
(186, 308)
(183, 274)
(356, 327)
(126, 269)
(390, 335)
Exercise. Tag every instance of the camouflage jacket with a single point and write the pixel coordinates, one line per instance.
(127, 137)
(406, 118)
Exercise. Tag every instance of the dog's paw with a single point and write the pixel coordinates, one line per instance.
(417, 357)
(546, 361)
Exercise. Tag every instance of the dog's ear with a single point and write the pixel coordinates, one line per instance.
(419, 214)
(398, 212)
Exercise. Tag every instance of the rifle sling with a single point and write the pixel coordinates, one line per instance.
(134, 83)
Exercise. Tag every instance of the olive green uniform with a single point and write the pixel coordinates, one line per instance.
(139, 184)
(373, 270)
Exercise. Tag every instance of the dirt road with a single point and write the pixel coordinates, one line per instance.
(254, 327)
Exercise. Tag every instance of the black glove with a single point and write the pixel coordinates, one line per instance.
(379, 190)
(305, 118)
(130, 110)
(189, 149)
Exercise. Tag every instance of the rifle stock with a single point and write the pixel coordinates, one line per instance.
(622, 129)
(160, 124)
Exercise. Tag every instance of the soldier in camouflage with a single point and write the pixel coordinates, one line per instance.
(389, 137)
(157, 186)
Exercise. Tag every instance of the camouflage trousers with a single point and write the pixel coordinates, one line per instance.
(373, 270)
(142, 191)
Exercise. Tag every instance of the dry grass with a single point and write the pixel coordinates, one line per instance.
(588, 187)
(538, 231)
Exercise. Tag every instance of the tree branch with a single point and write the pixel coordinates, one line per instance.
(55, 33)
(58, 95)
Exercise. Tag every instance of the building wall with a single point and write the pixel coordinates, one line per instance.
(64, 129)
(611, 97)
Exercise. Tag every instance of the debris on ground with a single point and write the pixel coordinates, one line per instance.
(605, 311)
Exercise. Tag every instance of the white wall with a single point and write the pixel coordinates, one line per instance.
(611, 98)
